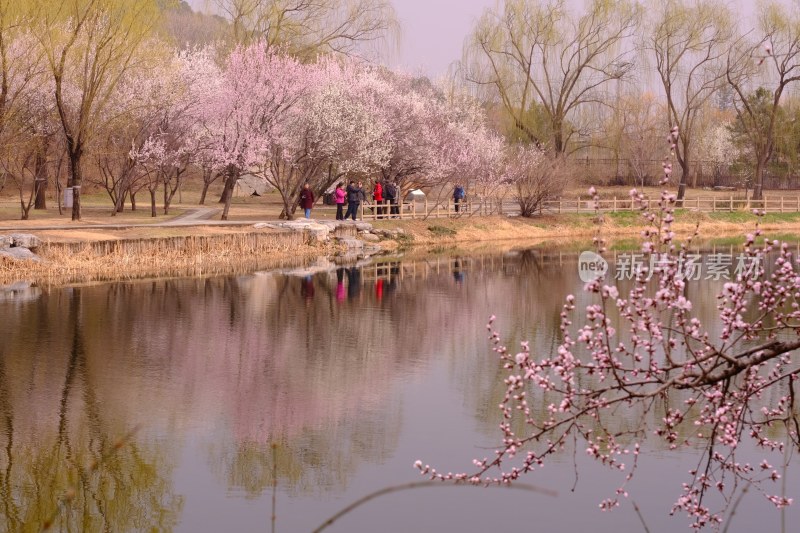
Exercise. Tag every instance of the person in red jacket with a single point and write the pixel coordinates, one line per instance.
(377, 195)
(307, 199)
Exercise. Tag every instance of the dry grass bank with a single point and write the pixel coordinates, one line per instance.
(561, 228)
(77, 256)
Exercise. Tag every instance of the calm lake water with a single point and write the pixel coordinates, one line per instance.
(211, 405)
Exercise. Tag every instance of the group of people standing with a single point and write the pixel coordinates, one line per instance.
(383, 193)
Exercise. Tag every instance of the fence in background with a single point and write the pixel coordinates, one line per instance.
(498, 206)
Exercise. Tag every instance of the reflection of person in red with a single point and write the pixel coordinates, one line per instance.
(307, 287)
(379, 289)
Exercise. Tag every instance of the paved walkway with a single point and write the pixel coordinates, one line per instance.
(193, 217)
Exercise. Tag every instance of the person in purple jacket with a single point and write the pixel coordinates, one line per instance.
(339, 197)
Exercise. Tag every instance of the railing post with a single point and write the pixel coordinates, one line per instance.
(731, 203)
(615, 204)
(578, 205)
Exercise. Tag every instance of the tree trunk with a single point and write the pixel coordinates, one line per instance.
(169, 194)
(203, 193)
(287, 213)
(133, 201)
(40, 179)
(41, 196)
(685, 173)
(758, 181)
(76, 180)
(227, 192)
(558, 139)
(119, 205)
(153, 192)
(123, 195)
(166, 200)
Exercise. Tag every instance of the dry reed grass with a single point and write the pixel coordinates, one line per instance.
(192, 255)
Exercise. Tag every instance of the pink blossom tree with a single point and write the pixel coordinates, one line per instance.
(409, 108)
(436, 136)
(174, 137)
(337, 130)
(643, 351)
(239, 115)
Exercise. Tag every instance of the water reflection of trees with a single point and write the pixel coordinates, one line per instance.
(63, 460)
(288, 380)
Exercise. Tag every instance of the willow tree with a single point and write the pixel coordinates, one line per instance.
(89, 45)
(689, 42)
(537, 58)
(308, 28)
(758, 93)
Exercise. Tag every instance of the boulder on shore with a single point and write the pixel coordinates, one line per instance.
(25, 240)
(19, 254)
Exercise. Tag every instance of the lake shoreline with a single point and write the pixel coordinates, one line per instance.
(98, 255)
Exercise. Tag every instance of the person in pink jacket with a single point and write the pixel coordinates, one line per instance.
(339, 197)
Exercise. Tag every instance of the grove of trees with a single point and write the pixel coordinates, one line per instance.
(143, 95)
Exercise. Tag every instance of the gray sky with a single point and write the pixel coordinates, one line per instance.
(433, 31)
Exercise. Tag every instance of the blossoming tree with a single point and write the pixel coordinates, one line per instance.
(240, 113)
(174, 137)
(337, 130)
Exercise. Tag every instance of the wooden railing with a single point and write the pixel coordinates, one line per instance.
(507, 206)
(420, 209)
(709, 204)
